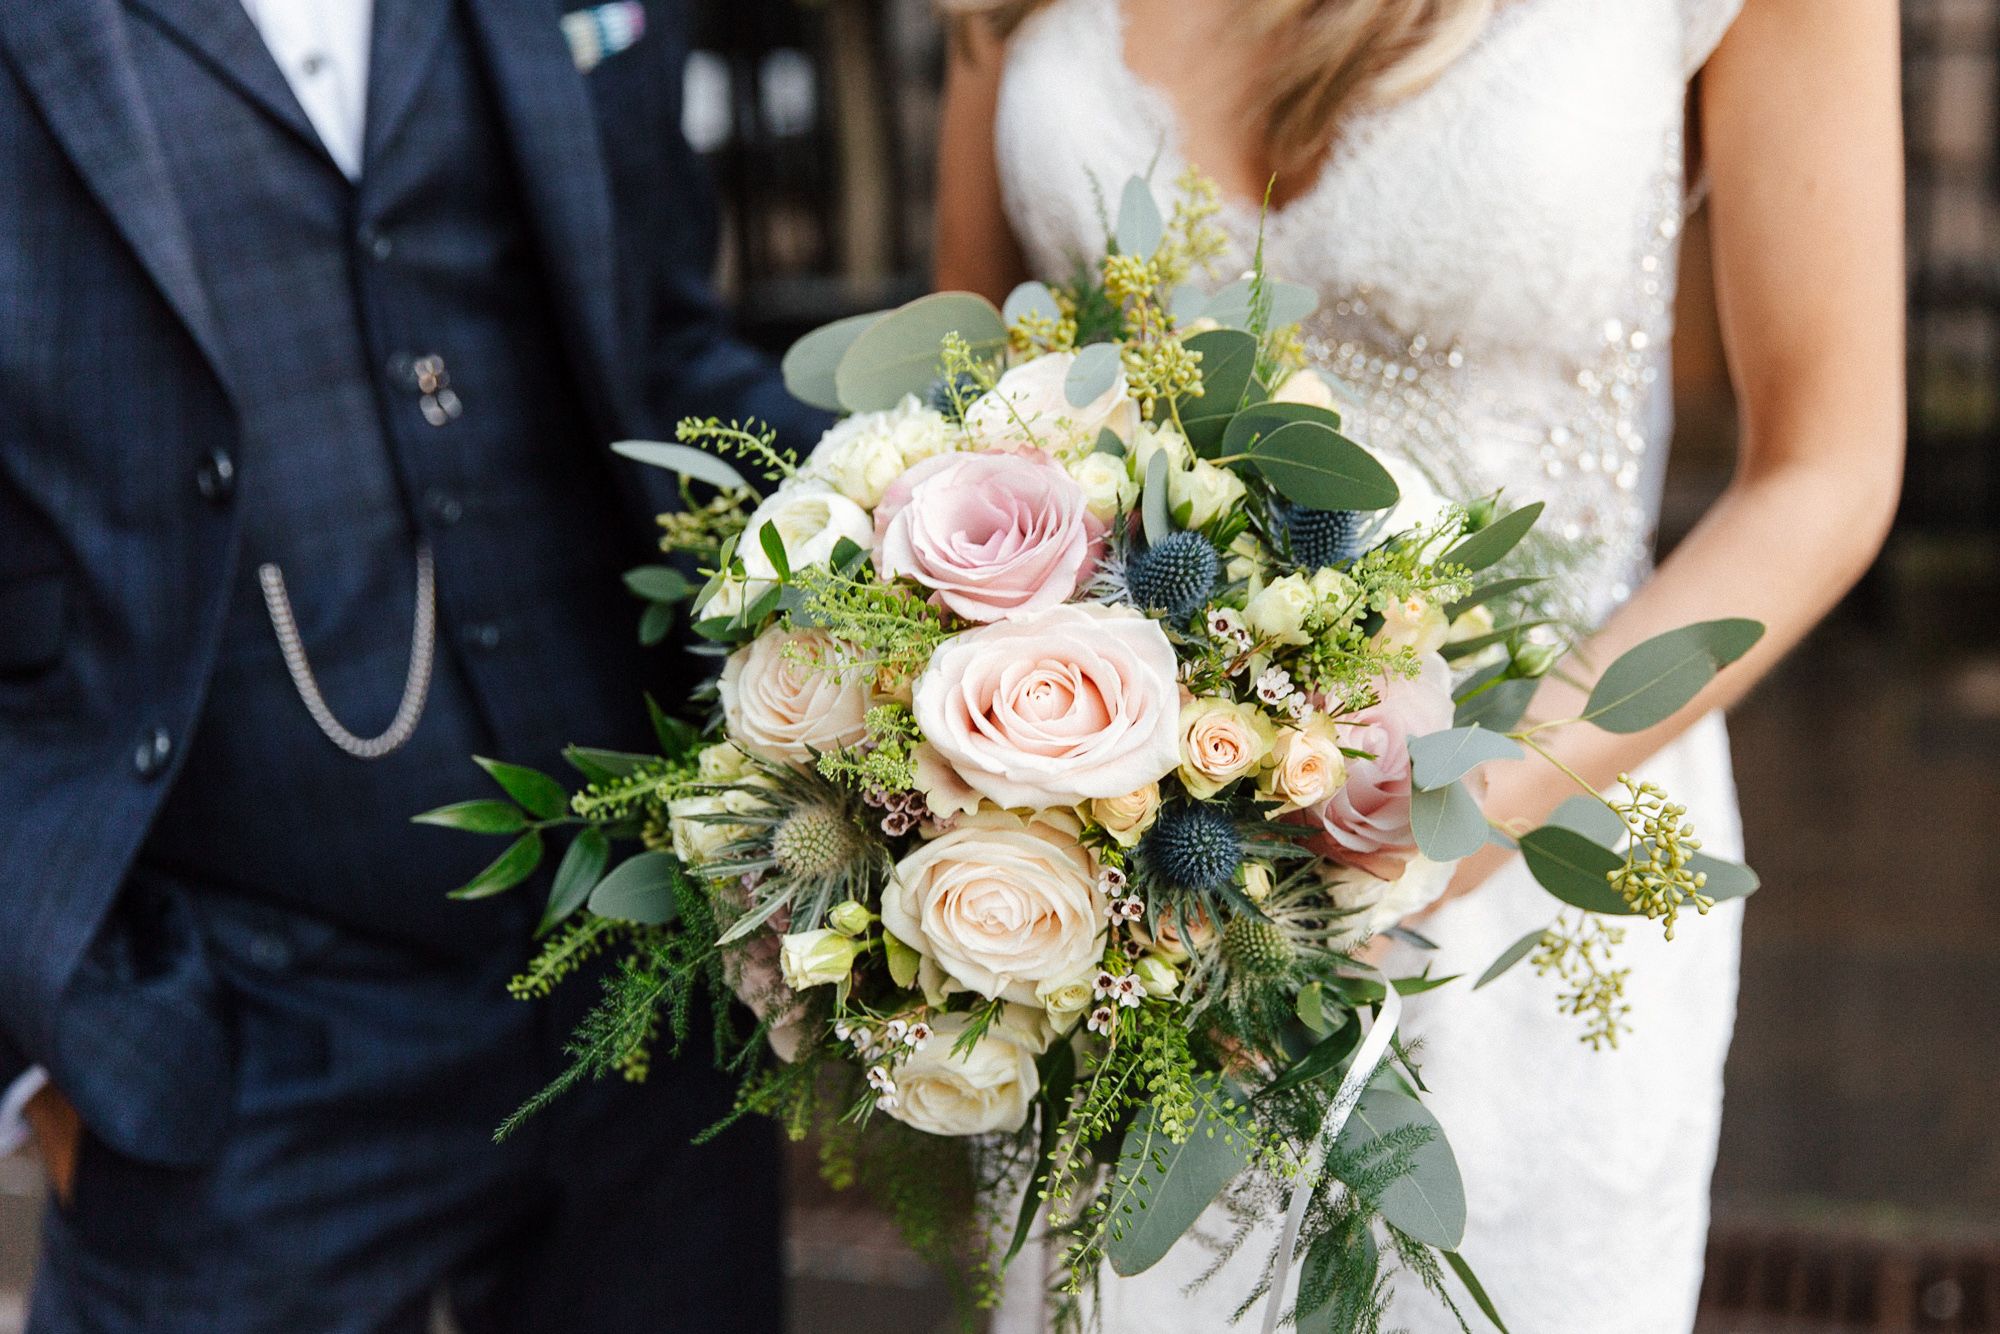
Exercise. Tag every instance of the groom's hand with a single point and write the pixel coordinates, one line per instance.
(58, 1132)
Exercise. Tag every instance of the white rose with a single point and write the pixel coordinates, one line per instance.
(1206, 492)
(816, 958)
(1029, 408)
(1064, 1002)
(860, 456)
(989, 1088)
(1418, 506)
(1308, 387)
(699, 840)
(785, 707)
(1279, 609)
(1108, 488)
(1246, 558)
(1151, 439)
(1414, 622)
(729, 597)
(1003, 902)
(723, 763)
(1374, 904)
(811, 517)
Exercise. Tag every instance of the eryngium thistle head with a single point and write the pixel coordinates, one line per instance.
(1255, 947)
(940, 395)
(1174, 575)
(1193, 847)
(1323, 537)
(815, 842)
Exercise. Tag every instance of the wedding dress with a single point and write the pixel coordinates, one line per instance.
(1495, 261)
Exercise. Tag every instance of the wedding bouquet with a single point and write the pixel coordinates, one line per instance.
(1088, 700)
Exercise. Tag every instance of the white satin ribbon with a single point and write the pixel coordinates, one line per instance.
(1366, 1058)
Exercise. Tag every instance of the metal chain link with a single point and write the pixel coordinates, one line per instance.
(416, 686)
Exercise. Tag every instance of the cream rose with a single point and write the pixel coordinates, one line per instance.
(1203, 493)
(860, 456)
(1418, 506)
(989, 1088)
(1128, 817)
(1306, 766)
(1308, 387)
(811, 518)
(1279, 609)
(1064, 1002)
(1054, 708)
(816, 958)
(1108, 488)
(1221, 741)
(784, 707)
(1374, 905)
(1003, 902)
(1414, 622)
(1029, 408)
(693, 822)
(1151, 439)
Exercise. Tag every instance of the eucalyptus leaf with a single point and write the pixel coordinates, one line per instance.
(576, 875)
(1498, 708)
(507, 870)
(686, 460)
(1030, 298)
(639, 889)
(542, 796)
(1253, 423)
(1574, 869)
(488, 816)
(1154, 500)
(1510, 956)
(1187, 303)
(1228, 360)
(1486, 593)
(1310, 1006)
(1323, 1256)
(1109, 443)
(1445, 757)
(1140, 227)
(1456, 649)
(658, 583)
(1590, 817)
(654, 622)
(1447, 822)
(1651, 682)
(1726, 879)
(773, 543)
(1316, 466)
(1428, 1200)
(1290, 303)
(900, 353)
(1495, 540)
(810, 363)
(1094, 371)
(1473, 1286)
(1324, 1058)
(1168, 1185)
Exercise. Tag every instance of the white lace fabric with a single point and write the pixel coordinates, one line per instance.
(1495, 258)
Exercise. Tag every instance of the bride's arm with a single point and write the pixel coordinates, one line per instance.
(976, 251)
(1801, 121)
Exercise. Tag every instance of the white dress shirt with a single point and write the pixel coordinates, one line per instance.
(322, 48)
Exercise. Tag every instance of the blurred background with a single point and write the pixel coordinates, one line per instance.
(1859, 1181)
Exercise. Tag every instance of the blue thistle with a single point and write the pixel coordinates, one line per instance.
(939, 395)
(1174, 575)
(1324, 537)
(1193, 847)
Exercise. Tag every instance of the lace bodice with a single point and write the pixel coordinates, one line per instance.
(1495, 256)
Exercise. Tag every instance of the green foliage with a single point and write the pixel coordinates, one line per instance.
(884, 763)
(746, 440)
(563, 954)
(1576, 950)
(891, 630)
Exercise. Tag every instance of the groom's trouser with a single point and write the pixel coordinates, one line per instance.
(359, 1179)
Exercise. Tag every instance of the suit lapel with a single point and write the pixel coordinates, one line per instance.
(552, 128)
(221, 34)
(404, 42)
(74, 60)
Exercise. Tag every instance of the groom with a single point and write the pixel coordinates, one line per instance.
(317, 316)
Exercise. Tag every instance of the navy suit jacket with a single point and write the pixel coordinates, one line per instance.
(114, 386)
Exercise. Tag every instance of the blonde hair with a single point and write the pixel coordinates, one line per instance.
(1329, 57)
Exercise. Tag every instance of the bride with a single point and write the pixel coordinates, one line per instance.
(1487, 196)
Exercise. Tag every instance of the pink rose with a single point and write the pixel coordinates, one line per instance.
(1366, 822)
(787, 696)
(992, 535)
(1054, 708)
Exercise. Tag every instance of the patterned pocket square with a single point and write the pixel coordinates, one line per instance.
(602, 31)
